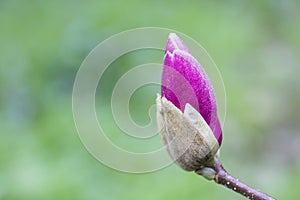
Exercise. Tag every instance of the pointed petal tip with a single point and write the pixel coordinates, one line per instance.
(172, 35)
(175, 42)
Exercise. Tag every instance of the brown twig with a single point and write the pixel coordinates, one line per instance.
(223, 178)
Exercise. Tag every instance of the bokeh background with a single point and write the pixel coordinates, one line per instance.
(255, 44)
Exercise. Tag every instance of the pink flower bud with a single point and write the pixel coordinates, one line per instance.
(197, 91)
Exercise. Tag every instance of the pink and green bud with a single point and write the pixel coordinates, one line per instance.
(194, 86)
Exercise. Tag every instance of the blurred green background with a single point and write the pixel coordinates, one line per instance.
(255, 44)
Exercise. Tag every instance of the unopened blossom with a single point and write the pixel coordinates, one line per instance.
(186, 110)
(179, 58)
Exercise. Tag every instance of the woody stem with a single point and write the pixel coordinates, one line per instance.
(225, 179)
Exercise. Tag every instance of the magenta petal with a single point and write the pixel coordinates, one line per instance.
(191, 86)
(174, 42)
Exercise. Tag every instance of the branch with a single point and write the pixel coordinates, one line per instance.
(225, 179)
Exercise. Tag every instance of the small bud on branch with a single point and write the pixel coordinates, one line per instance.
(187, 119)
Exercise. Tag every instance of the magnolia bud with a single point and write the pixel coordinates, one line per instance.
(187, 111)
(184, 81)
(188, 139)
